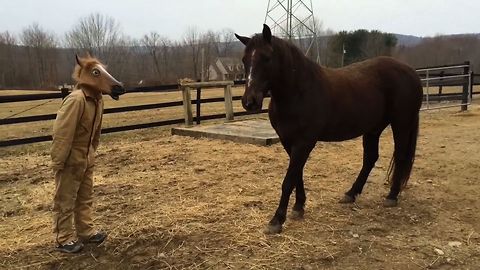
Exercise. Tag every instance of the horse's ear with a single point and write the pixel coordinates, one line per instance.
(244, 40)
(79, 62)
(267, 34)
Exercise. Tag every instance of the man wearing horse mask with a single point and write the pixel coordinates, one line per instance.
(76, 134)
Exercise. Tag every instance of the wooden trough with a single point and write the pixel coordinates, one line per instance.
(255, 131)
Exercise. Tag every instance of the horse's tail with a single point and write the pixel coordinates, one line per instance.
(410, 158)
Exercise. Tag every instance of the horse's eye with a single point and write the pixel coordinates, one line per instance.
(96, 72)
(265, 58)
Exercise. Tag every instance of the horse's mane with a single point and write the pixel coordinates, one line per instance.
(290, 52)
(290, 55)
(88, 63)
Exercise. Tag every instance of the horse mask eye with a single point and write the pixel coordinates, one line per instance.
(96, 72)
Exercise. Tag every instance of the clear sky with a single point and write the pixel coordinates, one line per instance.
(172, 18)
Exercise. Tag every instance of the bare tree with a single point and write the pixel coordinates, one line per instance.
(165, 52)
(210, 44)
(442, 50)
(192, 42)
(37, 37)
(7, 38)
(151, 42)
(325, 50)
(182, 65)
(41, 53)
(227, 39)
(158, 48)
(7, 63)
(304, 35)
(96, 33)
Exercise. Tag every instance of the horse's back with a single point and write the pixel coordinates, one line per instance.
(363, 96)
(401, 84)
(380, 76)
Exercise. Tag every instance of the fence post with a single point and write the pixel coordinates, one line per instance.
(64, 92)
(198, 103)
(472, 76)
(228, 102)
(440, 87)
(427, 77)
(187, 106)
(465, 95)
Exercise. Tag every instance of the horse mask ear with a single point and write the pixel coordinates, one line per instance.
(244, 40)
(79, 62)
(267, 34)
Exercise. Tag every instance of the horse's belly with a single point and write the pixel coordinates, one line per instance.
(352, 127)
(338, 137)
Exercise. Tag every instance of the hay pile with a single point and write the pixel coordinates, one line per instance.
(181, 203)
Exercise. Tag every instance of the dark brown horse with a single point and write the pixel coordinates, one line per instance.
(310, 103)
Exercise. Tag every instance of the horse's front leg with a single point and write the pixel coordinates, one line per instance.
(298, 157)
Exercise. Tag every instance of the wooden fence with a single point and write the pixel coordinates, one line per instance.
(440, 96)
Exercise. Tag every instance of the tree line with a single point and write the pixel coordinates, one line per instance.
(36, 57)
(442, 50)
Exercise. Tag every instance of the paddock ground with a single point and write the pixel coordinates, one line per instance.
(172, 202)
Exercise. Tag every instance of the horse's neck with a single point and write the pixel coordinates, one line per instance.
(294, 78)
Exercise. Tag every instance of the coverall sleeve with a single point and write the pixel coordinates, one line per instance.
(64, 128)
(96, 136)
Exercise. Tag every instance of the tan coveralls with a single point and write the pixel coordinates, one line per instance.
(76, 134)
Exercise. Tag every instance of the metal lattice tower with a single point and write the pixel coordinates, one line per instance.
(294, 20)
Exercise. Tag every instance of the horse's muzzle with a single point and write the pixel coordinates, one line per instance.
(252, 103)
(117, 91)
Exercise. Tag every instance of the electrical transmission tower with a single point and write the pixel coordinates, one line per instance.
(294, 20)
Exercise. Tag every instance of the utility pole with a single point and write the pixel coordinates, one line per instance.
(202, 72)
(287, 16)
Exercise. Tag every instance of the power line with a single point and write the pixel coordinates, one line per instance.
(31, 108)
(295, 21)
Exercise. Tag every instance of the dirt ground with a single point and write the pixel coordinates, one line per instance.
(172, 202)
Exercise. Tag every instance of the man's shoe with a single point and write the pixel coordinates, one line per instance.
(96, 238)
(70, 247)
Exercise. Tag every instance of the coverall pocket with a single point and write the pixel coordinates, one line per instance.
(77, 157)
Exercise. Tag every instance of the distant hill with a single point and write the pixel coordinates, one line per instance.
(407, 40)
(402, 40)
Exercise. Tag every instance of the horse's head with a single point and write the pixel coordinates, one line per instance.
(258, 63)
(90, 72)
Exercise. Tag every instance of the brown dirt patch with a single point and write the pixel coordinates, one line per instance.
(181, 203)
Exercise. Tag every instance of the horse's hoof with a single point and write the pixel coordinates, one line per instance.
(297, 214)
(273, 229)
(390, 202)
(347, 199)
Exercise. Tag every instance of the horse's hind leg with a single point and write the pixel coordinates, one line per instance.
(405, 136)
(400, 166)
(370, 156)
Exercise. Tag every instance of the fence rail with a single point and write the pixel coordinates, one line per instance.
(444, 79)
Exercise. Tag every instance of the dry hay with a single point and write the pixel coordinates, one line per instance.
(181, 203)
